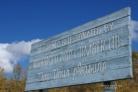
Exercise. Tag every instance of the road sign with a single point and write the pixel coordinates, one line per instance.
(97, 51)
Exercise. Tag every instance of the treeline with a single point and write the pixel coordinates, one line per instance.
(16, 83)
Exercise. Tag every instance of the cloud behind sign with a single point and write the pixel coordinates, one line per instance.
(11, 53)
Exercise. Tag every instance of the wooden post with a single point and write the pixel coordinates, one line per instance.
(43, 90)
(109, 86)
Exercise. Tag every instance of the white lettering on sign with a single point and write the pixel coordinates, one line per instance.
(72, 72)
(76, 37)
(82, 51)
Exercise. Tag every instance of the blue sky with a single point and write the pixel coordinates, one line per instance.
(25, 20)
(31, 19)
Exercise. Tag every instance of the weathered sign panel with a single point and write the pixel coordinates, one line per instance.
(97, 51)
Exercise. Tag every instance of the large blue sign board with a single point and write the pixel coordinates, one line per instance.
(97, 51)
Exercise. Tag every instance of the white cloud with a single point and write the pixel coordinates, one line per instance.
(135, 30)
(11, 53)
